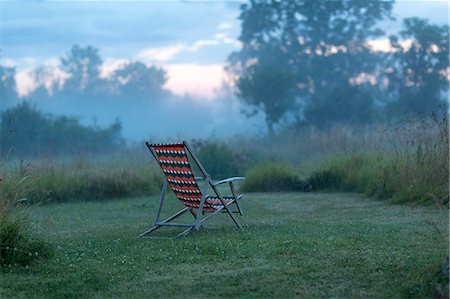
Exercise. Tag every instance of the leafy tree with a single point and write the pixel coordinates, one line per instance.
(352, 103)
(83, 67)
(419, 69)
(27, 132)
(137, 79)
(8, 89)
(270, 83)
(318, 46)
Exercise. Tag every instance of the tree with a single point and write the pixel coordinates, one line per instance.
(419, 72)
(319, 46)
(83, 67)
(8, 89)
(27, 132)
(137, 79)
(44, 82)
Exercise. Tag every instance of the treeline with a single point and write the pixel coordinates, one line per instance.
(322, 63)
(83, 81)
(27, 132)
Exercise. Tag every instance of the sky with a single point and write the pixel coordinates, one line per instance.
(190, 39)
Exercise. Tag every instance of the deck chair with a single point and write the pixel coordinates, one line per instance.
(174, 162)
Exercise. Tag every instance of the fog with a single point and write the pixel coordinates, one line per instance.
(162, 118)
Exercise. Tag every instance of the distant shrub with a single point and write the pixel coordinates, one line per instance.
(218, 158)
(271, 177)
(345, 173)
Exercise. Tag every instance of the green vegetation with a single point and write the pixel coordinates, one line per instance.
(19, 246)
(218, 158)
(314, 78)
(271, 177)
(416, 170)
(293, 245)
(27, 132)
(410, 165)
(382, 176)
(83, 180)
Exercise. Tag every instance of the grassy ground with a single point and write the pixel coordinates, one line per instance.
(293, 245)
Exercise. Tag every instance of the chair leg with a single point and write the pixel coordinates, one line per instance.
(232, 217)
(185, 232)
(166, 222)
(236, 199)
(226, 207)
(149, 230)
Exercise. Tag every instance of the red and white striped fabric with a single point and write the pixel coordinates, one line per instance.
(174, 162)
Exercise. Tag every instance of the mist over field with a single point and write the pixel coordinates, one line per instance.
(327, 122)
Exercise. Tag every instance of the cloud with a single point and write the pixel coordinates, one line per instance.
(25, 82)
(225, 26)
(202, 43)
(195, 79)
(219, 39)
(224, 38)
(161, 53)
(167, 53)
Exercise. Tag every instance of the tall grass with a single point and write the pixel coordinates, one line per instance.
(404, 163)
(84, 179)
(18, 244)
(271, 177)
(413, 168)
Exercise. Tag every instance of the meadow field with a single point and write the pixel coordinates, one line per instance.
(338, 214)
(319, 245)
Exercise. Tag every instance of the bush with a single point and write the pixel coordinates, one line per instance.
(17, 245)
(271, 177)
(399, 179)
(218, 158)
(433, 282)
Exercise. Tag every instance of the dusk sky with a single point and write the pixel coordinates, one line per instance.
(191, 40)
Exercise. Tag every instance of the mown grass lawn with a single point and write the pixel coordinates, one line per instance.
(294, 245)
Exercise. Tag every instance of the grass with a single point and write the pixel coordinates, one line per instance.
(19, 245)
(294, 245)
(271, 177)
(405, 162)
(82, 179)
(397, 179)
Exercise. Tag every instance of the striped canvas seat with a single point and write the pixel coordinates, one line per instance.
(175, 164)
(215, 202)
(175, 161)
